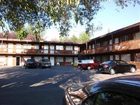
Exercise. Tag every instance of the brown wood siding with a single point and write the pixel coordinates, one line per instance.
(123, 46)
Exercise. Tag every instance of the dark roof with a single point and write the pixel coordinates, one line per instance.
(1, 35)
(126, 30)
(37, 42)
(11, 35)
(30, 37)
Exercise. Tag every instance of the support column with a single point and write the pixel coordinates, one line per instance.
(73, 50)
(6, 57)
(55, 62)
(64, 58)
(132, 55)
(54, 54)
(48, 48)
(120, 57)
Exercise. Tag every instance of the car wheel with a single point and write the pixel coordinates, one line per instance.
(88, 67)
(112, 71)
(132, 69)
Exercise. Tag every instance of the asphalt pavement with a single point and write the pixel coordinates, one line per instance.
(20, 86)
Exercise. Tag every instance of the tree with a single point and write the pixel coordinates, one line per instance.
(30, 31)
(35, 30)
(22, 33)
(64, 39)
(84, 37)
(74, 39)
(18, 12)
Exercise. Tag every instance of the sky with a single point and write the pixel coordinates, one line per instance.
(110, 17)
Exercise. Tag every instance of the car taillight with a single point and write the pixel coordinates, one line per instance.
(105, 66)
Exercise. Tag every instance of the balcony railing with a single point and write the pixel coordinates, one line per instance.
(123, 46)
(127, 45)
(37, 51)
(65, 52)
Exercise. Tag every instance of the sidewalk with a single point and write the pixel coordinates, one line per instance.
(100, 77)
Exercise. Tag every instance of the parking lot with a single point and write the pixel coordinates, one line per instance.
(20, 86)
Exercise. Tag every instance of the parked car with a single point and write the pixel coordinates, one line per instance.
(88, 64)
(117, 91)
(44, 63)
(30, 63)
(115, 66)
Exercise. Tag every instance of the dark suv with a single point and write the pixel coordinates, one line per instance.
(117, 91)
(44, 63)
(30, 63)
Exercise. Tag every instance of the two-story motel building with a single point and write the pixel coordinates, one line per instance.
(122, 44)
(15, 52)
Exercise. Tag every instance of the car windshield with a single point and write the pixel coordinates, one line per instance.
(121, 62)
(30, 60)
(45, 60)
(87, 61)
(107, 62)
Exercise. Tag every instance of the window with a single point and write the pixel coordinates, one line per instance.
(59, 59)
(107, 98)
(137, 35)
(10, 46)
(116, 40)
(59, 47)
(69, 47)
(93, 46)
(117, 57)
(104, 43)
(111, 42)
(97, 44)
(126, 57)
(51, 47)
(37, 46)
(125, 38)
(27, 46)
(46, 47)
(76, 48)
(122, 38)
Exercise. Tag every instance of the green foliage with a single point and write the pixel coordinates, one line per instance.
(84, 37)
(74, 39)
(64, 39)
(47, 12)
(22, 34)
(30, 30)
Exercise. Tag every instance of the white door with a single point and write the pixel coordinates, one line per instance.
(10, 61)
(52, 61)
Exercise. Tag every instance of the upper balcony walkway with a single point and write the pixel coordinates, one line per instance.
(123, 46)
(6, 51)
